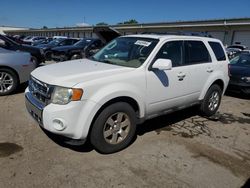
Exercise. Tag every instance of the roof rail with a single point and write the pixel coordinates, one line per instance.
(185, 33)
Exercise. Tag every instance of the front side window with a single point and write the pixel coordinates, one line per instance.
(218, 51)
(126, 51)
(196, 52)
(172, 50)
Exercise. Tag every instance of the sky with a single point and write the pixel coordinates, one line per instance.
(66, 13)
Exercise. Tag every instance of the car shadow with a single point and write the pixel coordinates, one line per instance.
(75, 145)
(236, 94)
(20, 89)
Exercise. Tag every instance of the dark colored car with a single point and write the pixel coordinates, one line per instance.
(54, 43)
(239, 68)
(81, 49)
(106, 34)
(239, 46)
(36, 53)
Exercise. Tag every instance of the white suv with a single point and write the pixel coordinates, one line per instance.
(130, 80)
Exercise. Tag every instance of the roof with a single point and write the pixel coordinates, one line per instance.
(173, 24)
(166, 36)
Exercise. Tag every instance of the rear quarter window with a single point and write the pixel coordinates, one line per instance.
(218, 51)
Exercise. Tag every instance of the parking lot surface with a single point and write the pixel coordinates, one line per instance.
(177, 150)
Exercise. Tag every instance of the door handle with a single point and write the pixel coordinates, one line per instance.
(181, 76)
(209, 70)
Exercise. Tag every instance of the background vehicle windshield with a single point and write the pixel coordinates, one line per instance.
(56, 41)
(126, 51)
(83, 42)
(241, 60)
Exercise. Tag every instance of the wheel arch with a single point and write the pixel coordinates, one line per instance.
(217, 81)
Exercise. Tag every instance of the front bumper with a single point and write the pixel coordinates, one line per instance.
(59, 57)
(239, 86)
(76, 116)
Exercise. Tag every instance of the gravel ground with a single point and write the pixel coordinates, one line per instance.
(177, 150)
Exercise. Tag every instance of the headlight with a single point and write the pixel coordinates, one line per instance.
(42, 51)
(62, 95)
(246, 79)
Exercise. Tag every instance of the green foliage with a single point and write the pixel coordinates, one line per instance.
(131, 21)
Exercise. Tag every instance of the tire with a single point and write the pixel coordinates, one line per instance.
(109, 122)
(47, 55)
(75, 56)
(8, 81)
(211, 101)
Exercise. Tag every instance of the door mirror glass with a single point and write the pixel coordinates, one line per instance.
(162, 64)
(2, 42)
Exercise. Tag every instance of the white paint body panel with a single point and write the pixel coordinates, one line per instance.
(154, 92)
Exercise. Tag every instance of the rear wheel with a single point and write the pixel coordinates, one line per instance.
(114, 128)
(211, 101)
(8, 81)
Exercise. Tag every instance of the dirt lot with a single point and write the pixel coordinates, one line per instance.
(177, 150)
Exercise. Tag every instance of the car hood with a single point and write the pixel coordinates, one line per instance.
(240, 71)
(70, 73)
(66, 48)
(106, 34)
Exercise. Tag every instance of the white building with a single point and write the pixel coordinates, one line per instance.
(9, 28)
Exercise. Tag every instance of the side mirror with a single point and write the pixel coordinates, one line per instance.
(2, 43)
(162, 64)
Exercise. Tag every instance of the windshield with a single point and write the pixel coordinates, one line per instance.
(83, 42)
(56, 41)
(126, 51)
(241, 60)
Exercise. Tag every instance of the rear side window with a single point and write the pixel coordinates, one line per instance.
(218, 51)
(196, 52)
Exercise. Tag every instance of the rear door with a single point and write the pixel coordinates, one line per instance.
(199, 67)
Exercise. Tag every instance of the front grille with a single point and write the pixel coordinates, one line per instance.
(40, 90)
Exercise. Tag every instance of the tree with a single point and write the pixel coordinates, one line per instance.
(131, 21)
(44, 27)
(101, 23)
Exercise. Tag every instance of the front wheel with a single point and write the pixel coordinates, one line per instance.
(211, 101)
(8, 81)
(114, 128)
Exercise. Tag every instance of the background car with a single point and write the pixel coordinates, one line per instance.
(78, 50)
(57, 42)
(32, 39)
(239, 46)
(42, 41)
(36, 53)
(15, 68)
(239, 68)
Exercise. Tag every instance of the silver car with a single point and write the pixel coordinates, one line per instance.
(15, 68)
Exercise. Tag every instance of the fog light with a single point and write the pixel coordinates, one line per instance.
(59, 124)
